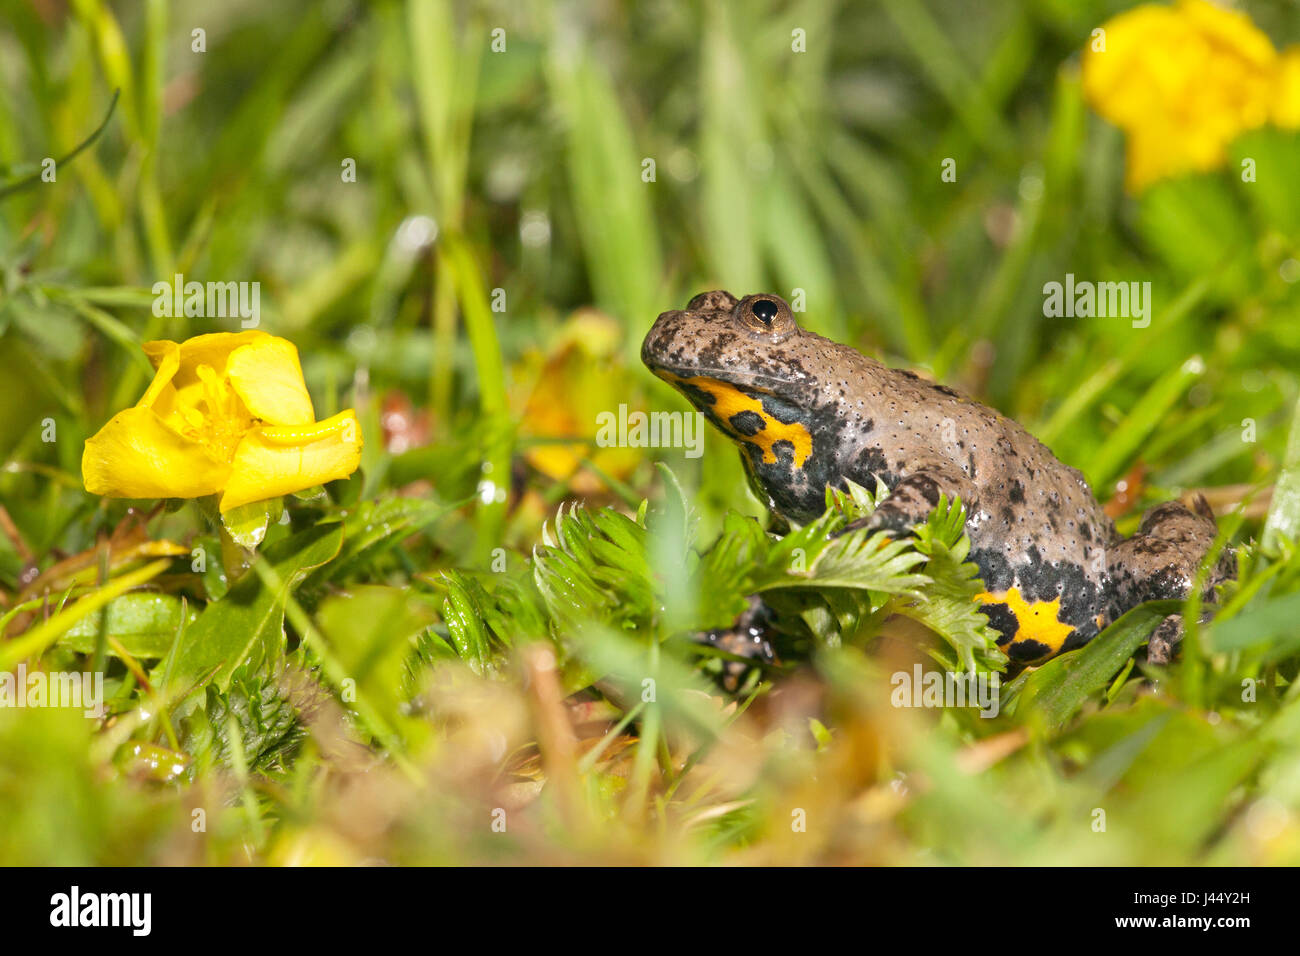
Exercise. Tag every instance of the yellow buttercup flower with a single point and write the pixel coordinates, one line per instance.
(226, 414)
(1183, 82)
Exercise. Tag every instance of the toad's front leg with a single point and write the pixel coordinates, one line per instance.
(913, 497)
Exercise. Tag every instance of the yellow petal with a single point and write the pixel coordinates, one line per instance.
(1127, 81)
(1286, 107)
(273, 461)
(1230, 31)
(166, 358)
(176, 405)
(267, 376)
(137, 456)
(1159, 153)
(212, 349)
(159, 350)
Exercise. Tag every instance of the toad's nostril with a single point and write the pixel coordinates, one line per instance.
(764, 310)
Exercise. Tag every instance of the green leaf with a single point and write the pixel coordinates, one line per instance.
(248, 623)
(1144, 419)
(375, 527)
(35, 641)
(145, 624)
(247, 524)
(215, 582)
(372, 630)
(1270, 622)
(481, 616)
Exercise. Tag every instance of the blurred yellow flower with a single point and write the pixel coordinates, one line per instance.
(226, 414)
(1286, 107)
(1183, 82)
(580, 376)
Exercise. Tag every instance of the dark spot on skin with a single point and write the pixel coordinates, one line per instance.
(871, 461)
(1017, 492)
(995, 569)
(747, 423)
(784, 411)
(927, 487)
(698, 396)
(1001, 620)
(1025, 652)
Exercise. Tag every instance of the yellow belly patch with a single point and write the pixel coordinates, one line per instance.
(1037, 620)
(729, 400)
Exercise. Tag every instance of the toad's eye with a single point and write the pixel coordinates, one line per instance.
(765, 310)
(765, 316)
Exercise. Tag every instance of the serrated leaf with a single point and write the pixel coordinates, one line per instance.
(949, 607)
(268, 724)
(596, 568)
(464, 619)
(859, 560)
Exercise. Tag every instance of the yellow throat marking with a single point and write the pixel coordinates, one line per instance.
(729, 401)
(1038, 620)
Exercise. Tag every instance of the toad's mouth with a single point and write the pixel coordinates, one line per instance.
(749, 415)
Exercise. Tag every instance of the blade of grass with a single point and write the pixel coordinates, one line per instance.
(67, 157)
(1141, 421)
(1283, 519)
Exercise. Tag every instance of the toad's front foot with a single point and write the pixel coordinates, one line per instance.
(749, 638)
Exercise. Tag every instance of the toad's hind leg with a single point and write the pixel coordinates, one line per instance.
(1161, 561)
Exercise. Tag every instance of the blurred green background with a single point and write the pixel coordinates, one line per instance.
(773, 170)
(518, 177)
